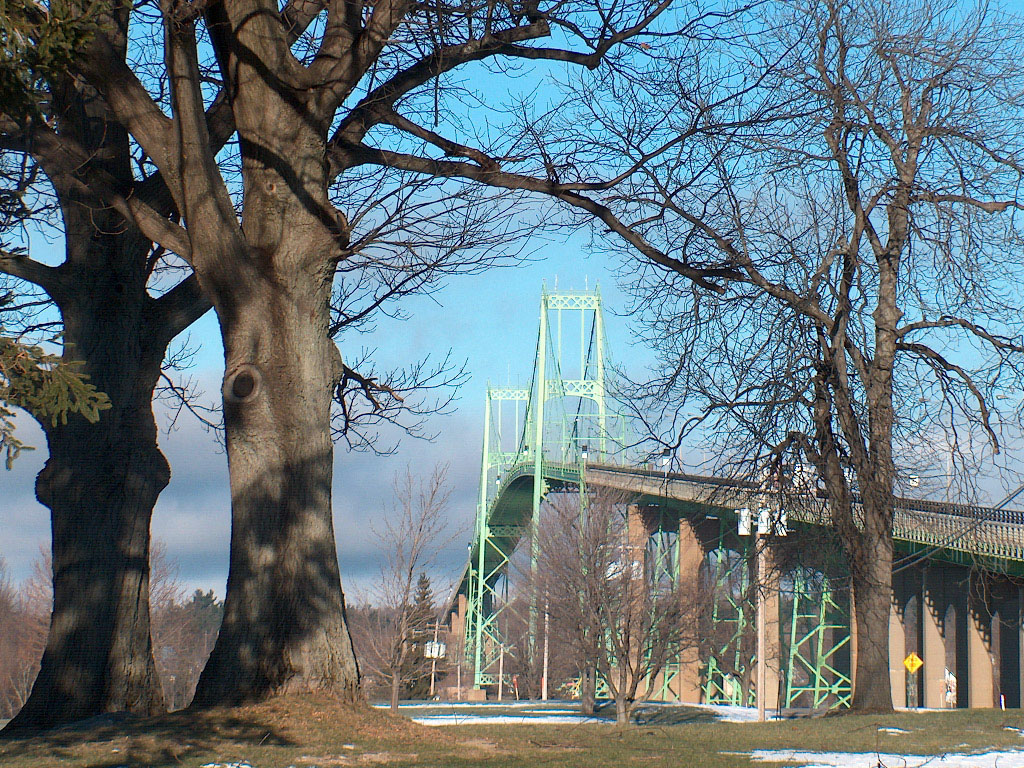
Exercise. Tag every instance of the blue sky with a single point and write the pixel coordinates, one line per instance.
(489, 320)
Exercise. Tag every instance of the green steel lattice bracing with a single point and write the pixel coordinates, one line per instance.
(560, 419)
(540, 429)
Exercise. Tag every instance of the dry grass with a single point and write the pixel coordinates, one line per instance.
(310, 731)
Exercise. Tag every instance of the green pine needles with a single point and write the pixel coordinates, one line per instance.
(39, 41)
(46, 386)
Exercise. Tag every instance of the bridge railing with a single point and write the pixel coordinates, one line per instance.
(970, 530)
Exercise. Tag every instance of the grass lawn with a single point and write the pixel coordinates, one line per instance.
(312, 731)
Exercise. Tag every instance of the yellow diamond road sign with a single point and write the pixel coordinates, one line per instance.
(913, 663)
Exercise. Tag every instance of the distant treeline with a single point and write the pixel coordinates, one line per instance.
(184, 629)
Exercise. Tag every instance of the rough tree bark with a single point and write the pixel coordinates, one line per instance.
(102, 479)
(871, 569)
(270, 282)
(284, 621)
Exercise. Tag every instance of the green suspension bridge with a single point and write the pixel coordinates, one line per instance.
(562, 433)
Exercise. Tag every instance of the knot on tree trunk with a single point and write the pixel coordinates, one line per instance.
(242, 384)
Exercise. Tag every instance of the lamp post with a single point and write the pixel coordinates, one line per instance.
(664, 460)
(544, 676)
(760, 529)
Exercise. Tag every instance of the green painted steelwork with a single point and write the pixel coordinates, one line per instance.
(534, 441)
(547, 431)
(819, 635)
(728, 655)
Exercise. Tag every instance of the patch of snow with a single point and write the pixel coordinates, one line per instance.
(893, 730)
(228, 765)
(455, 719)
(912, 710)
(554, 711)
(534, 712)
(464, 704)
(727, 713)
(1003, 759)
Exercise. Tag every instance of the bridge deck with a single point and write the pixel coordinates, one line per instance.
(989, 538)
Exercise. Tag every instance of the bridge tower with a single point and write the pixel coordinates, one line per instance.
(561, 432)
(563, 418)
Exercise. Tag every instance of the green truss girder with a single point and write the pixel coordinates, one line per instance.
(819, 634)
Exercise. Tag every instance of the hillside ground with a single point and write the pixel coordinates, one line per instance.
(308, 731)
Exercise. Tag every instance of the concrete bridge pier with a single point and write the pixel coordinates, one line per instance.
(897, 650)
(934, 631)
(691, 557)
(981, 672)
(967, 627)
(1007, 638)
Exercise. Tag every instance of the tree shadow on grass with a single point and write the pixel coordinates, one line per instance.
(119, 739)
(652, 714)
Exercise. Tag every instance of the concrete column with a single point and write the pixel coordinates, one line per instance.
(636, 536)
(1005, 609)
(933, 643)
(773, 641)
(459, 616)
(897, 652)
(979, 658)
(1020, 644)
(691, 557)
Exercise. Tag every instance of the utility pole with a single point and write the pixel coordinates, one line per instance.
(501, 670)
(433, 661)
(762, 671)
(544, 677)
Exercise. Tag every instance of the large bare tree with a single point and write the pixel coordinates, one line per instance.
(875, 301)
(825, 213)
(237, 163)
(68, 160)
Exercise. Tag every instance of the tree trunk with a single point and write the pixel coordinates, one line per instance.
(623, 710)
(284, 623)
(269, 276)
(588, 692)
(396, 686)
(101, 482)
(872, 592)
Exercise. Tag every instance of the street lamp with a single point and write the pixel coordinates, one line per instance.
(764, 527)
(584, 452)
